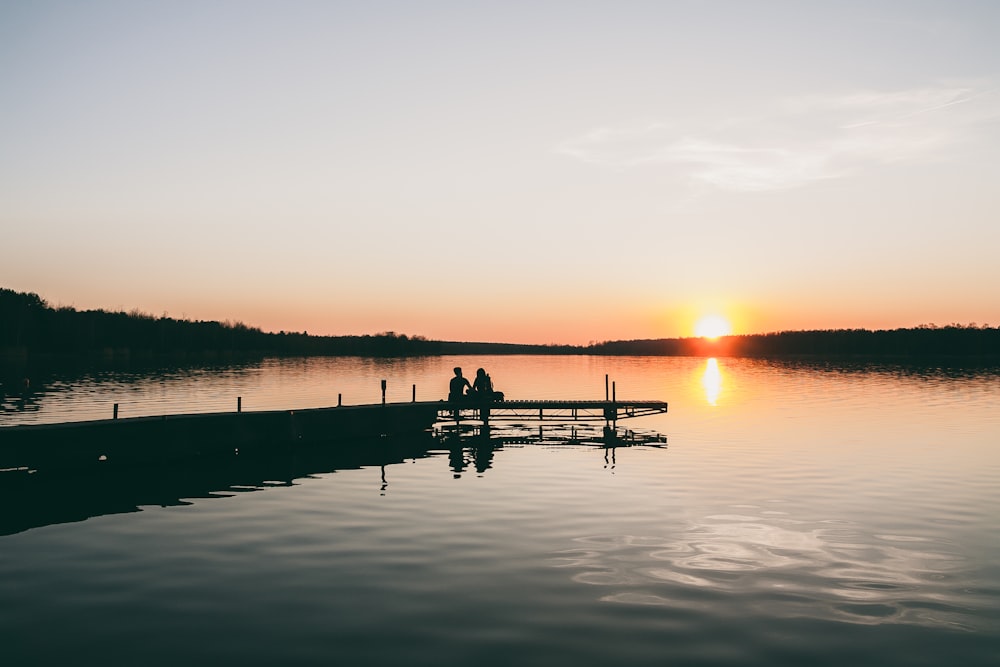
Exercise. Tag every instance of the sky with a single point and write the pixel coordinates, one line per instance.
(533, 172)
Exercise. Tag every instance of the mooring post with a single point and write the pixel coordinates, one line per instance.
(605, 386)
(614, 400)
(414, 393)
(116, 411)
(339, 398)
(383, 392)
(239, 404)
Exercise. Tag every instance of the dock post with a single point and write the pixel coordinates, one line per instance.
(605, 386)
(614, 399)
(339, 399)
(116, 411)
(414, 393)
(383, 392)
(239, 404)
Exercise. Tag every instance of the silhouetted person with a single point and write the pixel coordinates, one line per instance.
(483, 386)
(456, 390)
(482, 392)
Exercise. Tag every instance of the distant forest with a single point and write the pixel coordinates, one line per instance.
(31, 329)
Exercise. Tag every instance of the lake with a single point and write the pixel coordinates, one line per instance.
(821, 514)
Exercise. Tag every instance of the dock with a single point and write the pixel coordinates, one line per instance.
(146, 440)
(549, 410)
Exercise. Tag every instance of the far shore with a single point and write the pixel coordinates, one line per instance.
(34, 333)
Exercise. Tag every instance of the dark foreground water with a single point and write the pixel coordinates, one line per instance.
(820, 515)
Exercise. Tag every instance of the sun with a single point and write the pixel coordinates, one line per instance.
(712, 326)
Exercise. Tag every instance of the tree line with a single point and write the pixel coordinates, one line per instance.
(953, 340)
(31, 328)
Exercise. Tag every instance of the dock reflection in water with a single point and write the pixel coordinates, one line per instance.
(474, 445)
(65, 495)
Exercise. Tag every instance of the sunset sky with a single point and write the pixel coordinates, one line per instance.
(506, 171)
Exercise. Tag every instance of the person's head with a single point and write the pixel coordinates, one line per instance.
(480, 373)
(458, 371)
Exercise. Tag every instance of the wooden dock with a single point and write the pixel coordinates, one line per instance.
(171, 437)
(549, 410)
(144, 440)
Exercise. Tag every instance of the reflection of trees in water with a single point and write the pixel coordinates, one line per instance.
(43, 384)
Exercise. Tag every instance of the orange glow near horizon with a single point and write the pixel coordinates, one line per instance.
(712, 327)
(506, 320)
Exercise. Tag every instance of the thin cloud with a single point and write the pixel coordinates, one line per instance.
(803, 140)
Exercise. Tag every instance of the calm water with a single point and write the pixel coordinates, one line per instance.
(820, 515)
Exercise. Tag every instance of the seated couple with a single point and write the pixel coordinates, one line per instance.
(480, 390)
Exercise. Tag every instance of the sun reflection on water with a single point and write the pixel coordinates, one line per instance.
(711, 380)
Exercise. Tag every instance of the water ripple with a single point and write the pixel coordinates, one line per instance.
(793, 569)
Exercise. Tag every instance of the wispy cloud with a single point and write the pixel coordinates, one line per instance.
(800, 140)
